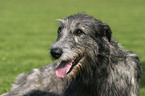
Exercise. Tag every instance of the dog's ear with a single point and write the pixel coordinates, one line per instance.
(61, 20)
(107, 31)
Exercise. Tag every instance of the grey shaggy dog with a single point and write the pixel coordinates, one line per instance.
(91, 64)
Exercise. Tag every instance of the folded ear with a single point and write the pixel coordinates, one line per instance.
(107, 31)
(61, 20)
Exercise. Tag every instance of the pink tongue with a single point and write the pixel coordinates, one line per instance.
(63, 68)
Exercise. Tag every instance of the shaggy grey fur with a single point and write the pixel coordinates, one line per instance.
(100, 67)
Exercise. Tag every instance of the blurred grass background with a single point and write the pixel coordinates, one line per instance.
(28, 28)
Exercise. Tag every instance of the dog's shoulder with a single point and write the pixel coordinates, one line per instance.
(42, 79)
(48, 70)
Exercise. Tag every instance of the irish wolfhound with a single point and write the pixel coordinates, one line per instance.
(91, 64)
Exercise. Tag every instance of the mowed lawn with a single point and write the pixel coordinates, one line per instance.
(28, 28)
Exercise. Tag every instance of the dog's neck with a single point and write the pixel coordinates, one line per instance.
(90, 79)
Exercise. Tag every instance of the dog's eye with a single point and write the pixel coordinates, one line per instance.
(78, 32)
(59, 30)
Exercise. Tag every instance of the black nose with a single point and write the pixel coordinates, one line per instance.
(56, 52)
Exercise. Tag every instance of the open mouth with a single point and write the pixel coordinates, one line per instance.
(65, 67)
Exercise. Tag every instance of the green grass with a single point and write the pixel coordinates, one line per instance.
(28, 28)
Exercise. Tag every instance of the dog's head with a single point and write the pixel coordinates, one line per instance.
(79, 36)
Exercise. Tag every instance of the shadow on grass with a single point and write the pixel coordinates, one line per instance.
(142, 82)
